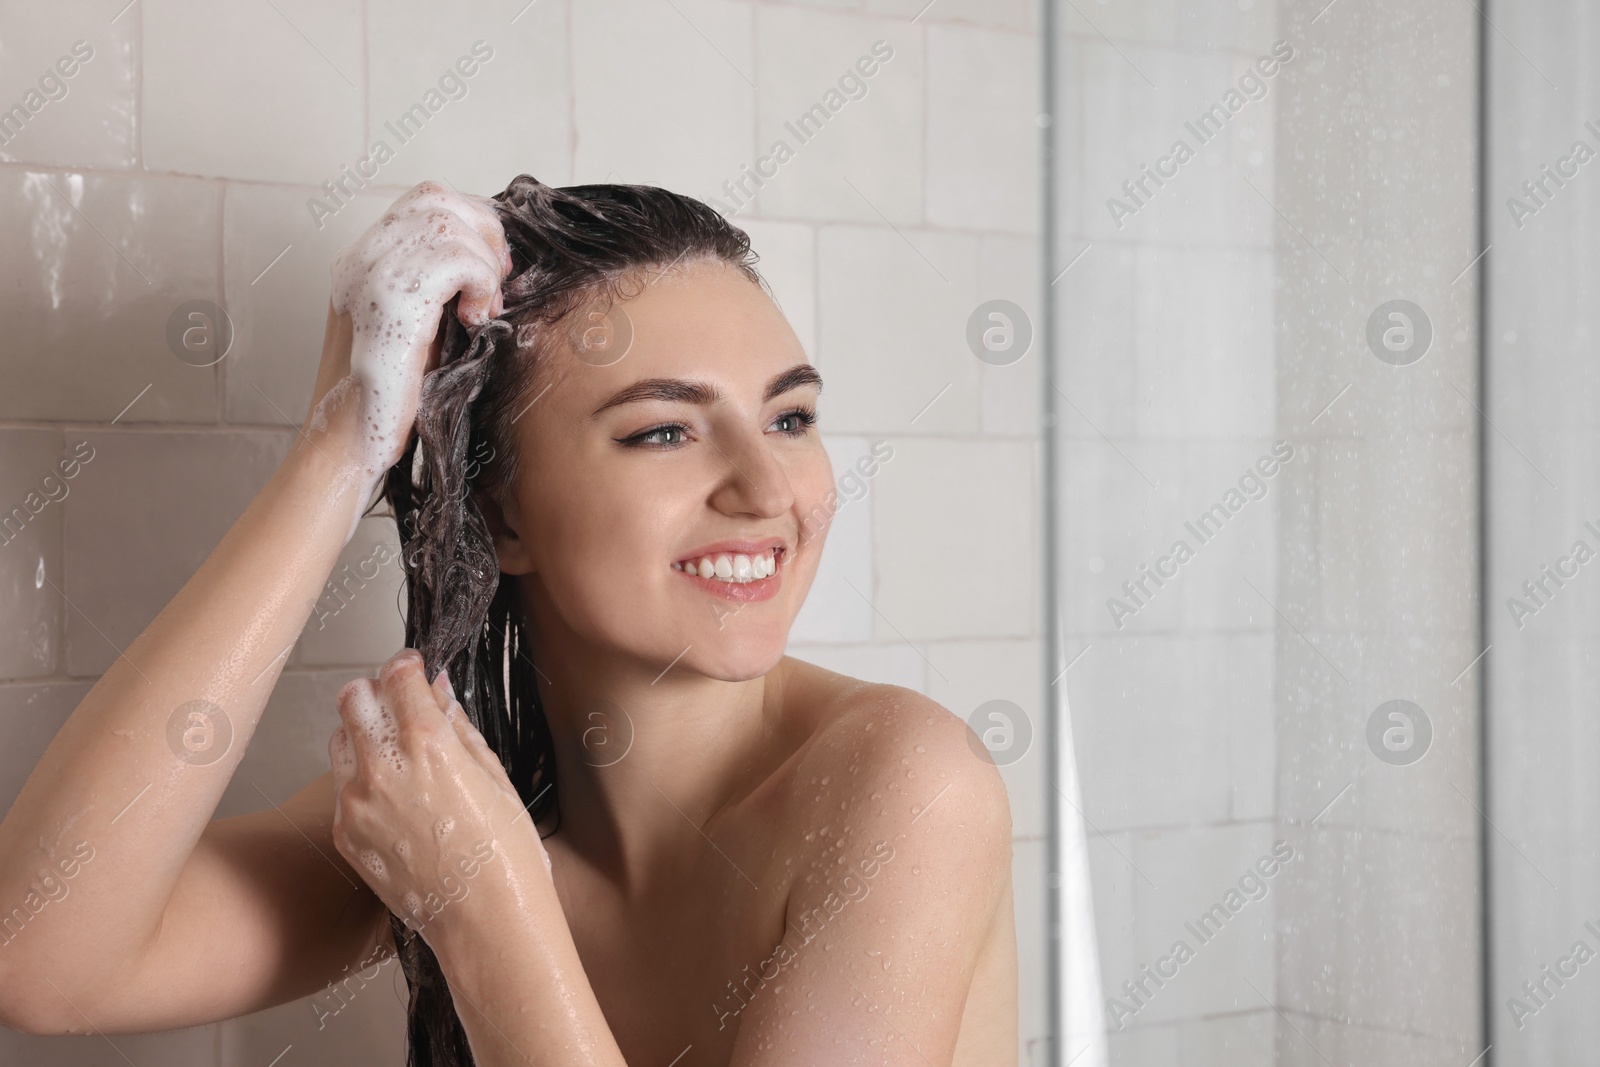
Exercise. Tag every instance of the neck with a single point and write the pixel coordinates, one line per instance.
(647, 755)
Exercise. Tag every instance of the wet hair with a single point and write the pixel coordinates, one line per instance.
(572, 249)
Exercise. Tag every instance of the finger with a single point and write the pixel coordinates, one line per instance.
(461, 257)
(476, 212)
(468, 734)
(478, 225)
(463, 226)
(494, 233)
(367, 723)
(459, 271)
(443, 691)
(474, 742)
(407, 694)
(342, 758)
(490, 226)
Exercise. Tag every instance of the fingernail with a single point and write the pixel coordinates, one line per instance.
(449, 690)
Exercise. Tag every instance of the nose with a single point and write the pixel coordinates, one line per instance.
(756, 482)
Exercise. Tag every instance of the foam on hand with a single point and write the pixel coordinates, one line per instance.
(393, 281)
(377, 722)
(374, 863)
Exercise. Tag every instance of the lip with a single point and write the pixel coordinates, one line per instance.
(748, 548)
(740, 592)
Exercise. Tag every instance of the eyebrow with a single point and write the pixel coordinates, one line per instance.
(692, 392)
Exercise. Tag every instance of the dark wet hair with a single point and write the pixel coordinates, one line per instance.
(571, 247)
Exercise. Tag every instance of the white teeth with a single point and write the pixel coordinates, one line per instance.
(735, 567)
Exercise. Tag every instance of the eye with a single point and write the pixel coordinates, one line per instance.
(801, 418)
(657, 436)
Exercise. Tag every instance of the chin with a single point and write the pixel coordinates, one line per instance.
(733, 657)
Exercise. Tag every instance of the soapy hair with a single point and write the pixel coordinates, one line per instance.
(572, 249)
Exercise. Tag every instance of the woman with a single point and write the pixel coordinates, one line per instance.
(619, 825)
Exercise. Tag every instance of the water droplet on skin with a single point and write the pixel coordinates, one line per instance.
(923, 748)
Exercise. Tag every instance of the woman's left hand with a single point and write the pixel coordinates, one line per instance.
(421, 802)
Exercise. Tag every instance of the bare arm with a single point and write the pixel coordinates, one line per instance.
(120, 907)
(126, 798)
(888, 920)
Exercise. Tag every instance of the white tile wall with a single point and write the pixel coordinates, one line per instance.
(84, 111)
(277, 255)
(286, 107)
(861, 155)
(110, 257)
(961, 509)
(34, 485)
(897, 349)
(663, 93)
(183, 159)
(512, 115)
(983, 133)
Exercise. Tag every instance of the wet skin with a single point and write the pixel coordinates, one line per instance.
(761, 801)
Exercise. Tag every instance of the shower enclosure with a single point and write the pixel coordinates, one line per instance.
(1324, 507)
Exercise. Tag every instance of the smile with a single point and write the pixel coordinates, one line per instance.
(736, 575)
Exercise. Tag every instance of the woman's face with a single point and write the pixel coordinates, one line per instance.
(689, 447)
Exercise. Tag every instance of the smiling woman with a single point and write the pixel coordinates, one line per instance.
(594, 429)
(631, 496)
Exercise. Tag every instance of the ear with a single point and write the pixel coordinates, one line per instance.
(509, 547)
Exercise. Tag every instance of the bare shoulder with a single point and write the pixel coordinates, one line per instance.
(897, 835)
(898, 760)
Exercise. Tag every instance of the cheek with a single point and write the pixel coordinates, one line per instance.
(600, 540)
(816, 497)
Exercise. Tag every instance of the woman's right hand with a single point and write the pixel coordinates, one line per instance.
(390, 287)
